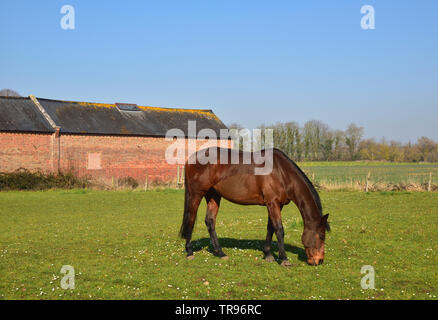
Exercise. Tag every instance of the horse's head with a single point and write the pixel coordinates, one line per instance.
(313, 239)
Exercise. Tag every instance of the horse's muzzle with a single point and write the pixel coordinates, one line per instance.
(315, 262)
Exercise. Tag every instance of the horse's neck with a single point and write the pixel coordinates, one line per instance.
(304, 199)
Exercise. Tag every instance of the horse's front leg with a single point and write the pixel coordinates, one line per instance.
(274, 209)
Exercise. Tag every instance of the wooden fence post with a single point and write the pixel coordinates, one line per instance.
(146, 183)
(183, 177)
(180, 176)
(368, 181)
(429, 187)
(177, 176)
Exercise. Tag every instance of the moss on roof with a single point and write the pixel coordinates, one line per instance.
(103, 118)
(203, 112)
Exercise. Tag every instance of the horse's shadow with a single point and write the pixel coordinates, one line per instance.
(202, 243)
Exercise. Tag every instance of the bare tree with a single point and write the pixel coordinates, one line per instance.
(9, 93)
(315, 135)
(339, 145)
(292, 133)
(426, 147)
(327, 145)
(353, 135)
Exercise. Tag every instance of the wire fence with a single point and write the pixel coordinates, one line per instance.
(421, 176)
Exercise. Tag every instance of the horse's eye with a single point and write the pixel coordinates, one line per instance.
(322, 237)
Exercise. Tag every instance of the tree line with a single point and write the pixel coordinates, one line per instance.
(316, 141)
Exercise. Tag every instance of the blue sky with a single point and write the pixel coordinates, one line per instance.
(252, 62)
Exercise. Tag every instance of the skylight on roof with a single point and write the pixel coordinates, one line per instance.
(127, 107)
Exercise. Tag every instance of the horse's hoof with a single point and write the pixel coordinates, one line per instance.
(286, 263)
(224, 258)
(269, 258)
(191, 257)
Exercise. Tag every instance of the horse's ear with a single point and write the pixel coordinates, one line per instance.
(324, 222)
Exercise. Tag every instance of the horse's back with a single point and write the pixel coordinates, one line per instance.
(237, 182)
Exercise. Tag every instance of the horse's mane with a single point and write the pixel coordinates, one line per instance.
(306, 180)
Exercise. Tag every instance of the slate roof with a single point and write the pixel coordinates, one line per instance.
(21, 114)
(107, 119)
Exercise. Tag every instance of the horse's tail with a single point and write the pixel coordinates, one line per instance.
(186, 227)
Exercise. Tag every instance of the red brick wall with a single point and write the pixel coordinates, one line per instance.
(120, 156)
(32, 151)
(104, 158)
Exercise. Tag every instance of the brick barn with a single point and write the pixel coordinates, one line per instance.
(103, 141)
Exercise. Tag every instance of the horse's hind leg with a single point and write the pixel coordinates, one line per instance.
(267, 249)
(193, 210)
(213, 200)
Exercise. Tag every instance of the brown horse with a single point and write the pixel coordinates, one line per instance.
(238, 183)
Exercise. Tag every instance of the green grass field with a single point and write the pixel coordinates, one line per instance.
(124, 245)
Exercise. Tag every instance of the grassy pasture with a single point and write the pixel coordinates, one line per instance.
(345, 173)
(124, 245)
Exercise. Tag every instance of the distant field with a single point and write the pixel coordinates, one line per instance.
(380, 172)
(124, 245)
